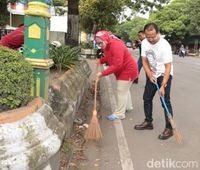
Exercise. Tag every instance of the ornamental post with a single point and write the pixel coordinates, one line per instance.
(36, 45)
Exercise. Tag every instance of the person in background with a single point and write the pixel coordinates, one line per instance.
(14, 39)
(100, 53)
(134, 44)
(141, 37)
(182, 51)
(122, 65)
(187, 50)
(157, 63)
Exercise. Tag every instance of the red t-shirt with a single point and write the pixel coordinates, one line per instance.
(120, 61)
(14, 39)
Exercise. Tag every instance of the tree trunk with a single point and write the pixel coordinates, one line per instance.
(4, 15)
(72, 35)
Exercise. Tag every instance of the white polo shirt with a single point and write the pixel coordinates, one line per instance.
(158, 54)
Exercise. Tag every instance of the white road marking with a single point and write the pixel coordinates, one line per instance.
(125, 156)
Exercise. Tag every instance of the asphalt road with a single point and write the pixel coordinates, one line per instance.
(123, 148)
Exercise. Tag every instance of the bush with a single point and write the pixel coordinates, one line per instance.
(64, 57)
(87, 45)
(58, 2)
(16, 76)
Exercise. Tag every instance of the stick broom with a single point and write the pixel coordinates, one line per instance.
(93, 131)
(176, 132)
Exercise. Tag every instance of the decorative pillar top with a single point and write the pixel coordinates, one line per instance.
(38, 8)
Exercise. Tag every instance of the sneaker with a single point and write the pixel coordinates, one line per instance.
(144, 126)
(121, 116)
(113, 117)
(129, 109)
(167, 133)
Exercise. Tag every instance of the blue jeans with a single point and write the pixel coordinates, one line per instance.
(149, 93)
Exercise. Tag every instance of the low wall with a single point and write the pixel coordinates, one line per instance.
(88, 53)
(66, 93)
(31, 137)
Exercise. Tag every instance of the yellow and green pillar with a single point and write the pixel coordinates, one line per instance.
(36, 45)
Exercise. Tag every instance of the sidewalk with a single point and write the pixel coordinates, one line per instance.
(112, 151)
(99, 154)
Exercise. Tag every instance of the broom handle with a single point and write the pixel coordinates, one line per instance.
(95, 89)
(163, 101)
(171, 120)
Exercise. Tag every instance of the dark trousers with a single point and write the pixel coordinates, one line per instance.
(139, 62)
(149, 93)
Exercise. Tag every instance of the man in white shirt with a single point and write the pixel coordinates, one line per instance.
(157, 63)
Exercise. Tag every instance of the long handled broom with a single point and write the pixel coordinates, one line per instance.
(176, 132)
(93, 131)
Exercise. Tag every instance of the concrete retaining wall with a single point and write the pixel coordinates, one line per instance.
(66, 93)
(31, 141)
(88, 53)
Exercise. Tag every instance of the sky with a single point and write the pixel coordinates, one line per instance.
(128, 13)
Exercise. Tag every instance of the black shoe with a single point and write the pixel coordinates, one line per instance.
(167, 133)
(135, 81)
(144, 126)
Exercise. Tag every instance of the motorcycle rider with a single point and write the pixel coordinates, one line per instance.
(182, 51)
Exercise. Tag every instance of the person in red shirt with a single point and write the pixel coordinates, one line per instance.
(122, 65)
(14, 39)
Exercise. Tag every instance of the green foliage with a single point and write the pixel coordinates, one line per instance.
(87, 45)
(4, 15)
(105, 14)
(144, 6)
(59, 2)
(178, 21)
(12, 1)
(64, 57)
(128, 30)
(16, 76)
(172, 19)
(102, 14)
(194, 16)
(3, 20)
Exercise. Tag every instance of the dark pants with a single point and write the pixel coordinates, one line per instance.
(139, 62)
(149, 93)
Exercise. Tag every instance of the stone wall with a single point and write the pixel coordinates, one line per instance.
(66, 93)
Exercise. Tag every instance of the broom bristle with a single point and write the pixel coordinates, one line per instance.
(93, 132)
(176, 132)
(178, 136)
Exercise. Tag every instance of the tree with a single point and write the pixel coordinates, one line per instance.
(144, 6)
(4, 13)
(72, 36)
(173, 20)
(194, 16)
(99, 14)
(128, 30)
(105, 14)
